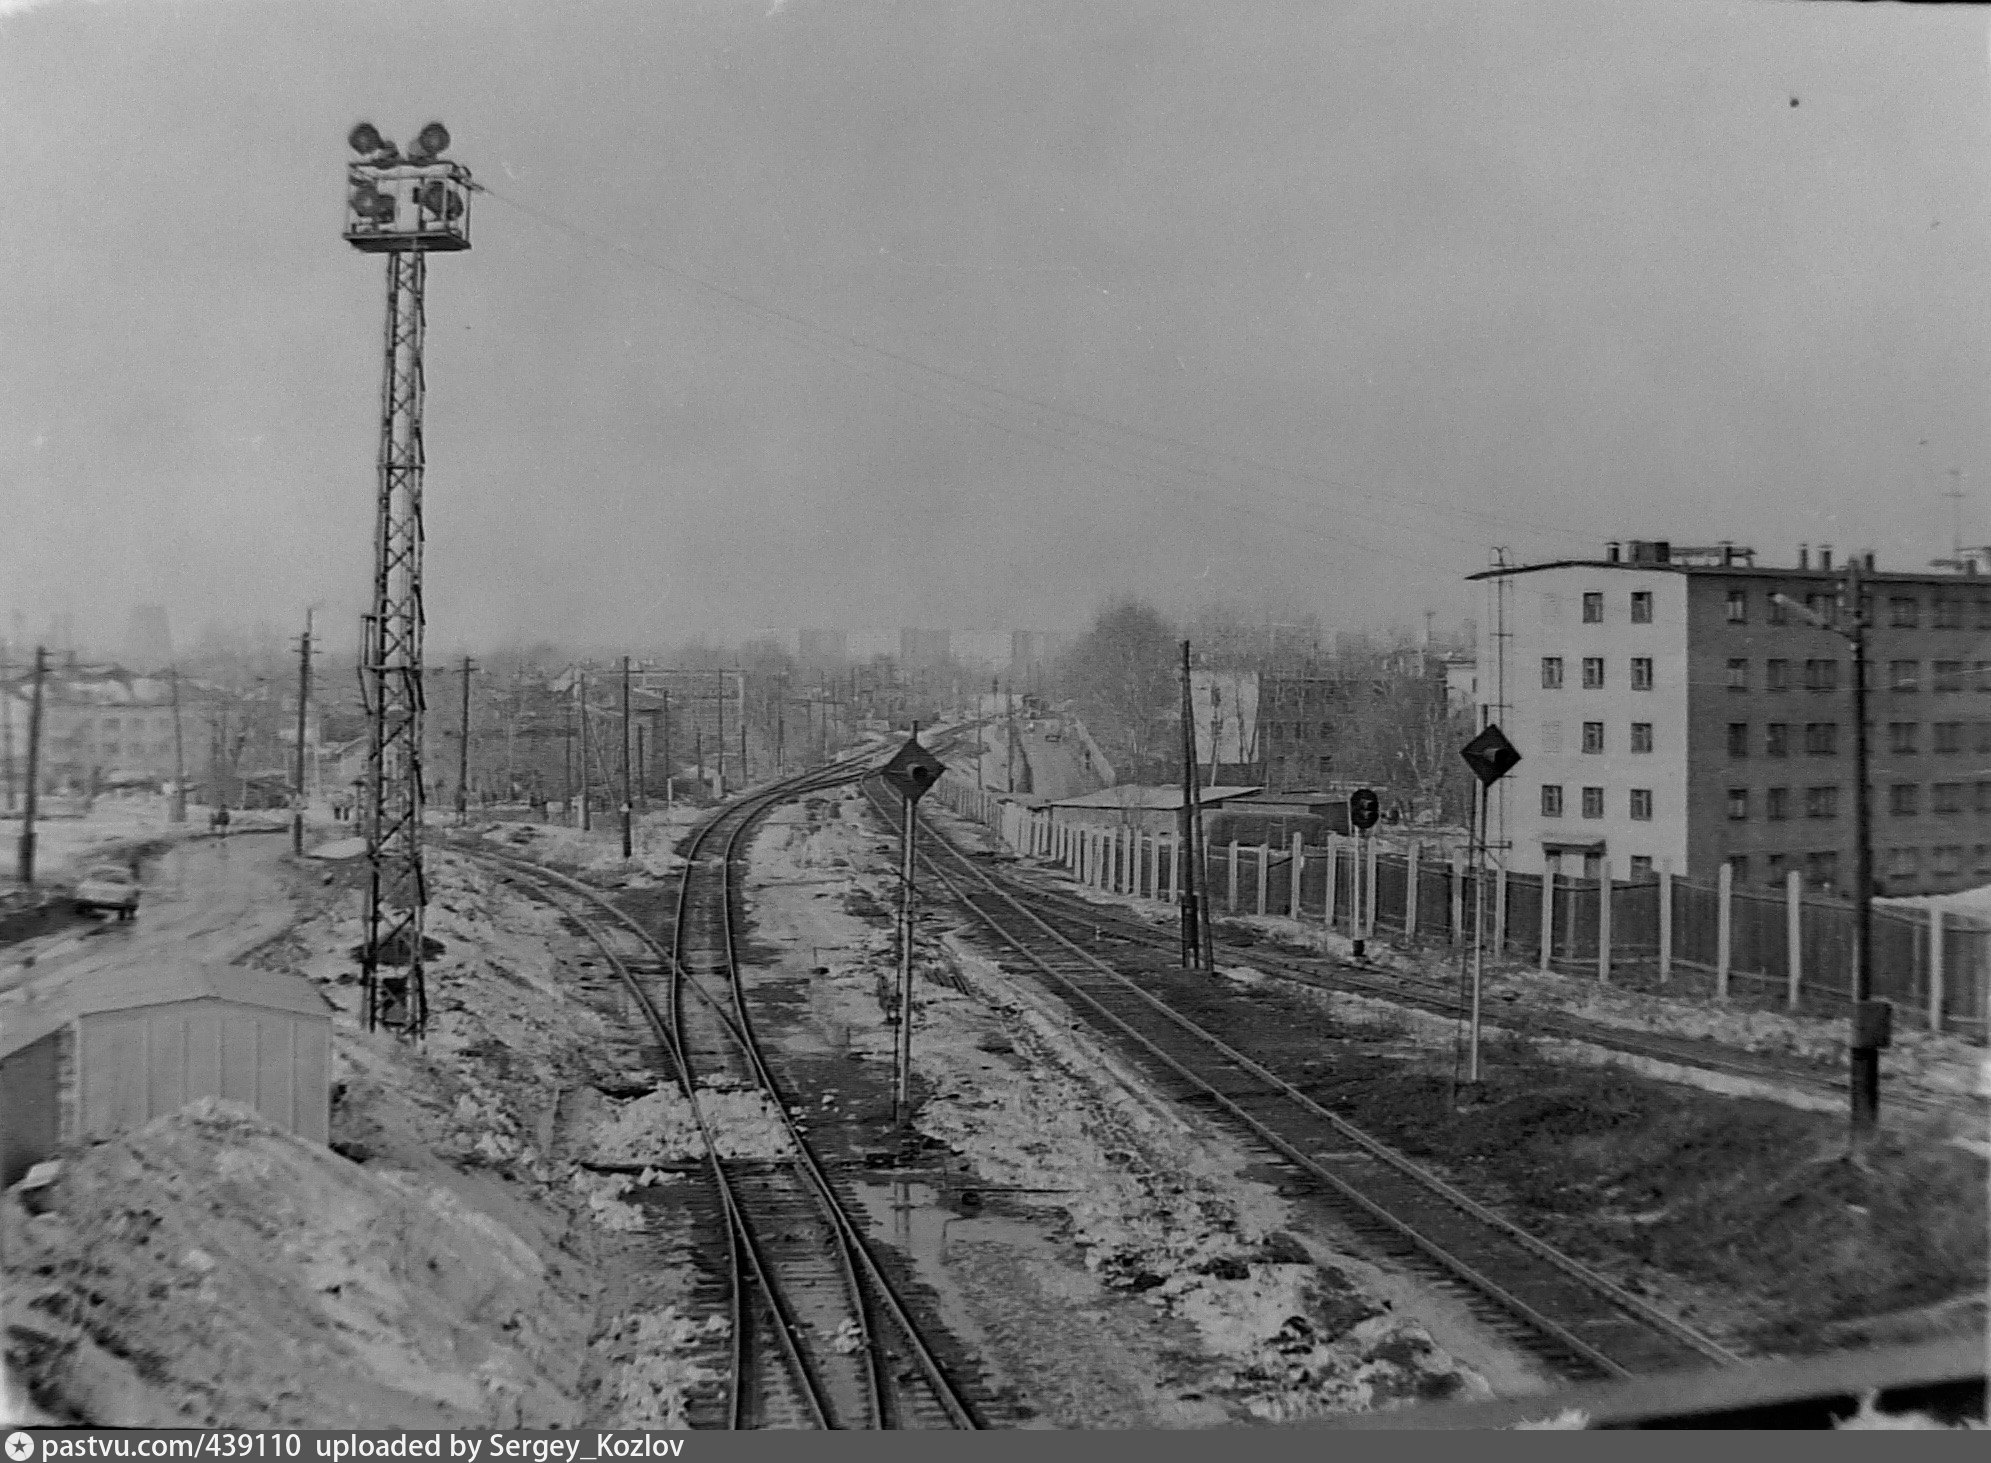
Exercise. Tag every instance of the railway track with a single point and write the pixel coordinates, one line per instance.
(820, 1338)
(1440, 997)
(1573, 1317)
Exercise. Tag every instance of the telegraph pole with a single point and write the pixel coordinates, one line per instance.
(303, 700)
(581, 694)
(7, 728)
(719, 749)
(626, 805)
(567, 764)
(25, 866)
(664, 729)
(176, 811)
(463, 747)
(1186, 848)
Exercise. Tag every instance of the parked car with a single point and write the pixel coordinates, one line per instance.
(109, 887)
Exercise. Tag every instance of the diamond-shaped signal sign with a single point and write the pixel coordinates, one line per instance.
(913, 770)
(1490, 755)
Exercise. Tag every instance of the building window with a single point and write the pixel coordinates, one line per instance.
(1326, 768)
(1738, 606)
(1593, 736)
(1949, 612)
(1982, 858)
(1984, 611)
(1641, 805)
(1775, 874)
(1821, 802)
(1593, 802)
(1593, 672)
(1551, 800)
(1777, 739)
(1904, 675)
(1821, 605)
(110, 723)
(1641, 866)
(1904, 863)
(1738, 739)
(1948, 675)
(1738, 803)
(1901, 738)
(1777, 804)
(1903, 799)
(1821, 675)
(1946, 798)
(1641, 673)
(1949, 859)
(1984, 736)
(1904, 612)
(1641, 607)
(1821, 738)
(1821, 870)
(1738, 675)
(1980, 676)
(1983, 797)
(1776, 675)
(1551, 673)
(1780, 613)
(110, 749)
(1949, 736)
(1551, 736)
(1593, 608)
(1641, 736)
(1738, 867)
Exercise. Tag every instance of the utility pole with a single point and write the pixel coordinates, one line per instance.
(303, 700)
(719, 750)
(1189, 833)
(1009, 740)
(176, 811)
(1872, 1020)
(463, 748)
(25, 864)
(567, 763)
(664, 730)
(7, 728)
(642, 770)
(627, 846)
(780, 725)
(745, 776)
(581, 694)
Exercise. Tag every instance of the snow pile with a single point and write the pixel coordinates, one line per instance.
(598, 850)
(212, 1270)
(655, 1370)
(661, 1127)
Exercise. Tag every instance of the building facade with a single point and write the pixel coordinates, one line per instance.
(1676, 707)
(101, 726)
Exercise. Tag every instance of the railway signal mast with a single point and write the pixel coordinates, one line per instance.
(406, 207)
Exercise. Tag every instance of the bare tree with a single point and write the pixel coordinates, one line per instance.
(1121, 673)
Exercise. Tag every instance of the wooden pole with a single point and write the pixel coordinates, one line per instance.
(25, 865)
(303, 699)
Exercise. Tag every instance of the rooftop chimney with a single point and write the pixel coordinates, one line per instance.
(1869, 561)
(1662, 551)
(1825, 556)
(1611, 552)
(1727, 552)
(1804, 556)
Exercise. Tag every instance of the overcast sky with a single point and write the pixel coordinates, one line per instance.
(1193, 300)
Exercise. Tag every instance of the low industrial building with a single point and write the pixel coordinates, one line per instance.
(86, 1057)
(1146, 809)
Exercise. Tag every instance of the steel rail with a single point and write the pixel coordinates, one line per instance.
(853, 1252)
(741, 1243)
(1561, 1335)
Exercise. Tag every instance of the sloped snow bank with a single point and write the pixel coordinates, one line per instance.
(352, 1298)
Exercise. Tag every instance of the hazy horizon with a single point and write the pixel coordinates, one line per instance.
(819, 314)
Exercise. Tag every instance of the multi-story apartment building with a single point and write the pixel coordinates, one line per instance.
(100, 724)
(1672, 710)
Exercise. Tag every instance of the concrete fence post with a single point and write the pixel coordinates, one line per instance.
(1333, 876)
(1724, 928)
(1665, 920)
(1936, 954)
(1231, 903)
(1264, 873)
(1174, 869)
(1548, 914)
(1793, 937)
(1458, 874)
(1499, 910)
(1604, 924)
(1410, 893)
(1299, 863)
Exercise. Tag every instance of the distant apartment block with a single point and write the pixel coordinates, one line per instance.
(1670, 711)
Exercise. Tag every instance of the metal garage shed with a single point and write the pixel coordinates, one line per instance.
(92, 1055)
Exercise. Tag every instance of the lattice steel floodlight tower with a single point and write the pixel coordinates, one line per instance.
(406, 208)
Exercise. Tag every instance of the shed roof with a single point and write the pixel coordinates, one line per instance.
(32, 1011)
(1158, 799)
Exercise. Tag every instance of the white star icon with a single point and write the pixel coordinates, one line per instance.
(20, 1447)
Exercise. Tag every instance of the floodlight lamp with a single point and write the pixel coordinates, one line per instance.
(433, 141)
(365, 139)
